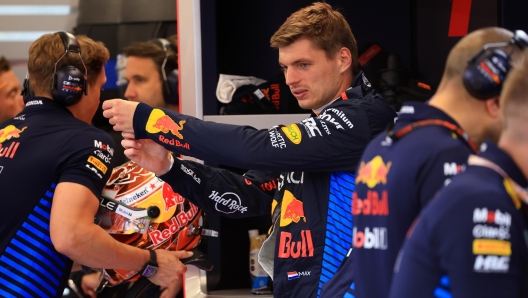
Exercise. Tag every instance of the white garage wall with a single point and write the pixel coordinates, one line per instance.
(23, 21)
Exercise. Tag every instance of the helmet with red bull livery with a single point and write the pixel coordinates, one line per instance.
(139, 209)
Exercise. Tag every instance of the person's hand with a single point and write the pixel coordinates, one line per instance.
(147, 154)
(120, 113)
(172, 290)
(90, 283)
(170, 268)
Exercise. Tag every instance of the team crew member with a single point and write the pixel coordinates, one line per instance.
(400, 171)
(472, 237)
(317, 156)
(151, 77)
(67, 161)
(11, 102)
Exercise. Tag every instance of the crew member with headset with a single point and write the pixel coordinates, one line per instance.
(401, 170)
(473, 235)
(53, 166)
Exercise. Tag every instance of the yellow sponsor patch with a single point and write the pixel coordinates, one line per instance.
(293, 133)
(98, 164)
(491, 247)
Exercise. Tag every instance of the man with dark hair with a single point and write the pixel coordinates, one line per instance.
(150, 70)
(472, 237)
(317, 156)
(11, 102)
(53, 166)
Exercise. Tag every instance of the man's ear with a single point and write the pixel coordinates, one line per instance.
(345, 59)
(493, 106)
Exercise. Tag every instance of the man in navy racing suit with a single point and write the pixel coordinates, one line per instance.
(317, 157)
(472, 237)
(402, 170)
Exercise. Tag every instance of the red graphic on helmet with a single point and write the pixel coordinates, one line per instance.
(170, 197)
(136, 187)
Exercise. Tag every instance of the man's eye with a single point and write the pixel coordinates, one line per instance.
(304, 65)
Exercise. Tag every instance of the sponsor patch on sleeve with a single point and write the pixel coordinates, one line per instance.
(491, 247)
(293, 133)
(98, 164)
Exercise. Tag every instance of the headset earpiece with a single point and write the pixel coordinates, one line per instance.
(68, 82)
(486, 71)
(171, 88)
(170, 80)
(484, 76)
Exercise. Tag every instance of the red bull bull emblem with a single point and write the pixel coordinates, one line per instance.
(291, 210)
(373, 172)
(170, 197)
(159, 121)
(7, 133)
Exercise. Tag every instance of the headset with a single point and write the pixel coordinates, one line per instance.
(170, 80)
(486, 71)
(68, 83)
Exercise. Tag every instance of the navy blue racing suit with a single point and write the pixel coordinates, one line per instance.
(396, 178)
(317, 158)
(40, 148)
(471, 239)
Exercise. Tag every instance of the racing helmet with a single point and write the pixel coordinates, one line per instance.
(139, 209)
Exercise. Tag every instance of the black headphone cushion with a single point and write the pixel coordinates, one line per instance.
(484, 75)
(68, 85)
(170, 92)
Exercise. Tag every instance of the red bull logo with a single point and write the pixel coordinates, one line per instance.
(372, 205)
(265, 91)
(174, 142)
(275, 98)
(170, 197)
(292, 210)
(175, 224)
(296, 248)
(160, 122)
(7, 133)
(270, 185)
(373, 172)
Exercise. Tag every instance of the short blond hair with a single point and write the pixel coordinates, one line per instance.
(469, 46)
(514, 96)
(46, 51)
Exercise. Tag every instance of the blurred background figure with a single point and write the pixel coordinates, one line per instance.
(151, 73)
(11, 102)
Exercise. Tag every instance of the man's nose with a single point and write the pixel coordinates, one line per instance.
(130, 92)
(291, 76)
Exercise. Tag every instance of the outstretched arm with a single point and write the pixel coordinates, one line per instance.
(332, 141)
